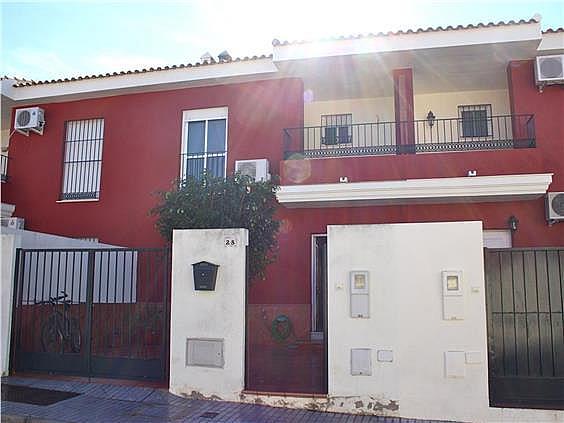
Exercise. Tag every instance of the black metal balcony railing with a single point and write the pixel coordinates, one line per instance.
(4, 167)
(419, 136)
(194, 164)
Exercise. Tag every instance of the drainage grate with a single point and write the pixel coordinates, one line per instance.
(209, 415)
(35, 396)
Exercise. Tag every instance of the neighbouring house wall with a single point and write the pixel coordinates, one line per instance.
(141, 154)
(218, 314)
(548, 108)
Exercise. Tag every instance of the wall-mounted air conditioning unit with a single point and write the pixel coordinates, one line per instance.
(29, 119)
(257, 169)
(13, 222)
(549, 69)
(554, 206)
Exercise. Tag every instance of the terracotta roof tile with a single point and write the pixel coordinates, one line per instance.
(276, 42)
(27, 83)
(553, 30)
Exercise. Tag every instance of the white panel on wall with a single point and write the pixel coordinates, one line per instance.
(455, 364)
(361, 364)
(386, 356)
(204, 352)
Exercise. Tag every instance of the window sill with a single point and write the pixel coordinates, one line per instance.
(78, 200)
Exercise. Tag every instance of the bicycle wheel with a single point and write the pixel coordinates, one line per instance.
(75, 338)
(51, 337)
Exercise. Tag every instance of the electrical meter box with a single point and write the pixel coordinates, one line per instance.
(360, 294)
(453, 295)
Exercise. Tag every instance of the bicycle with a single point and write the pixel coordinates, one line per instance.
(60, 329)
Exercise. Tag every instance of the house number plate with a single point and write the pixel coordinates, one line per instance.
(230, 241)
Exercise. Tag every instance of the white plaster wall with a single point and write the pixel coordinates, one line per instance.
(445, 105)
(208, 314)
(5, 139)
(8, 253)
(404, 262)
(381, 109)
(364, 110)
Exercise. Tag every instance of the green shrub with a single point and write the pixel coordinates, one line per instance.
(232, 202)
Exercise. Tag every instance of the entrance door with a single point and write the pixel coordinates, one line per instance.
(525, 327)
(318, 285)
(92, 312)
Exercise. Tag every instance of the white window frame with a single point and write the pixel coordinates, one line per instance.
(68, 183)
(202, 115)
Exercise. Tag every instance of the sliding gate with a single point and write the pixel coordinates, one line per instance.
(92, 312)
(525, 291)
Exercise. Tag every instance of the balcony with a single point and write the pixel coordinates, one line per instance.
(419, 136)
(4, 167)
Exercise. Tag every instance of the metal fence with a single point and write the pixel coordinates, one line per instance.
(419, 136)
(525, 289)
(92, 312)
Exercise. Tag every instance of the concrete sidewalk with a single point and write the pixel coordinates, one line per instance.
(116, 403)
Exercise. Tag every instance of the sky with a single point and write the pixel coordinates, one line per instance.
(53, 39)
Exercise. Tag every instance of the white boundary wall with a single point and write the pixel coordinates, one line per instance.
(404, 264)
(217, 316)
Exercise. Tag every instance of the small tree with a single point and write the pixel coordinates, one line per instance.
(232, 202)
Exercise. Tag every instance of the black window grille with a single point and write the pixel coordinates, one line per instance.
(475, 120)
(336, 129)
(82, 160)
(205, 148)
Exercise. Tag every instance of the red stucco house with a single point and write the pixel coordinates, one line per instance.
(433, 125)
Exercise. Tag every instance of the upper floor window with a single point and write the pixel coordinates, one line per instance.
(204, 142)
(336, 129)
(82, 161)
(475, 120)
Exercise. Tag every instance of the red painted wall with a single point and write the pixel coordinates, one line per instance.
(289, 280)
(141, 155)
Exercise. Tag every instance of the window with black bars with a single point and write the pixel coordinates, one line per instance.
(475, 120)
(82, 160)
(336, 129)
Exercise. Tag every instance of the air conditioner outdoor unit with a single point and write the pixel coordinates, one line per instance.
(29, 119)
(555, 206)
(549, 69)
(257, 169)
(13, 222)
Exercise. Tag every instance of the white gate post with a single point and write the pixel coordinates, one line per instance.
(207, 328)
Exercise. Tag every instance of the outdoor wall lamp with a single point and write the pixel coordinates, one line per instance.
(513, 223)
(431, 119)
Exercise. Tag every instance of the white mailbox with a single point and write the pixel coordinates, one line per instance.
(360, 297)
(453, 296)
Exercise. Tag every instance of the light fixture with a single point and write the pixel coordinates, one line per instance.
(431, 119)
(513, 223)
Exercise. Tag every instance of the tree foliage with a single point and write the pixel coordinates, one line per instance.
(232, 202)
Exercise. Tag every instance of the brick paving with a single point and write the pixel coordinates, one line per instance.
(110, 403)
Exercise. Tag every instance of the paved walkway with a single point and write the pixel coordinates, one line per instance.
(116, 403)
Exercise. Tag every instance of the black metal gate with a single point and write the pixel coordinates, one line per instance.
(92, 312)
(525, 290)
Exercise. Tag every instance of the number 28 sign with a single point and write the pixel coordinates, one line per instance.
(230, 241)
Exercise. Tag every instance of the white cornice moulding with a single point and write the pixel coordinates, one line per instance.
(407, 42)
(413, 191)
